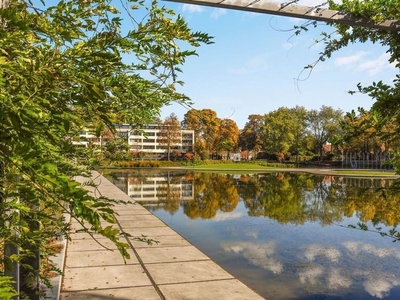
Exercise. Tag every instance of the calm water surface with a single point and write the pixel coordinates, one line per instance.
(285, 235)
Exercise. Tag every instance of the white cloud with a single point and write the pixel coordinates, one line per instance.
(380, 252)
(316, 276)
(314, 251)
(227, 216)
(217, 12)
(310, 276)
(192, 8)
(352, 59)
(378, 282)
(379, 287)
(376, 66)
(251, 233)
(337, 281)
(360, 63)
(287, 46)
(261, 255)
(253, 65)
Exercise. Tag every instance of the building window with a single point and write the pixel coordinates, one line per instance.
(149, 140)
(136, 132)
(147, 189)
(147, 196)
(147, 147)
(135, 140)
(125, 126)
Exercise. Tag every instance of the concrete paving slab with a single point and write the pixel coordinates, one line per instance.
(78, 259)
(86, 236)
(88, 244)
(140, 224)
(184, 272)
(150, 232)
(75, 227)
(170, 254)
(163, 241)
(231, 289)
(104, 277)
(136, 217)
(131, 293)
(130, 209)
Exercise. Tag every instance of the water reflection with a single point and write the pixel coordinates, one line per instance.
(284, 234)
(260, 255)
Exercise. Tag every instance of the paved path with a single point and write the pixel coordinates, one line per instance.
(173, 269)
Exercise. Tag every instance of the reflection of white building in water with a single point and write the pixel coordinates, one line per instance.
(160, 188)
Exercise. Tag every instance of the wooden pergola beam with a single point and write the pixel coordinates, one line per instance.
(296, 11)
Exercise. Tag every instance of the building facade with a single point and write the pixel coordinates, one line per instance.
(150, 139)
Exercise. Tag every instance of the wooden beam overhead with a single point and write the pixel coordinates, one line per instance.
(296, 11)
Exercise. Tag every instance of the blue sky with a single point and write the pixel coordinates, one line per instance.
(253, 65)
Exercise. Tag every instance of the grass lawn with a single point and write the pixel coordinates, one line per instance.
(243, 167)
(234, 166)
(366, 172)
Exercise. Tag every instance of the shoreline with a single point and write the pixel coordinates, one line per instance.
(368, 173)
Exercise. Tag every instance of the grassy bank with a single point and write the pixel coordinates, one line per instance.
(365, 172)
(235, 166)
(241, 167)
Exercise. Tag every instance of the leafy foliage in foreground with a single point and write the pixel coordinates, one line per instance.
(63, 68)
(385, 110)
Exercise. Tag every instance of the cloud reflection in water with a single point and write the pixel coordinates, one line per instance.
(380, 287)
(313, 251)
(261, 255)
(327, 268)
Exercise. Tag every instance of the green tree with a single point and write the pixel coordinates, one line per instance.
(299, 146)
(206, 125)
(360, 133)
(323, 125)
(170, 133)
(61, 67)
(228, 135)
(280, 131)
(250, 136)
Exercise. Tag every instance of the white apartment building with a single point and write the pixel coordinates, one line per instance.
(146, 139)
(143, 139)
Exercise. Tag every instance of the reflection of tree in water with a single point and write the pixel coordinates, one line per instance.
(170, 197)
(325, 200)
(213, 192)
(376, 201)
(285, 197)
(278, 197)
(298, 198)
(169, 193)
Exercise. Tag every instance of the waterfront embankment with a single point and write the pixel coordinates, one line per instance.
(171, 269)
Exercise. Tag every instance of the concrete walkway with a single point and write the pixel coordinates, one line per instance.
(173, 269)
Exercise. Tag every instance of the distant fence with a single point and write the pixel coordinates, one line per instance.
(379, 160)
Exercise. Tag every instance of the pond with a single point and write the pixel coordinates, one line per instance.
(285, 235)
